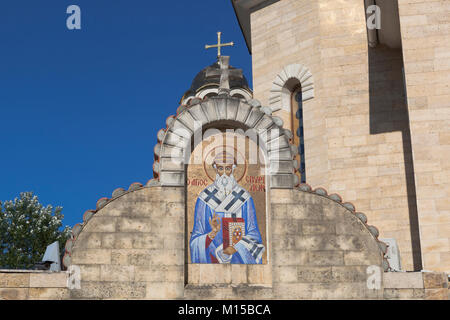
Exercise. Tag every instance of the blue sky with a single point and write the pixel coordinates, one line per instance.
(80, 109)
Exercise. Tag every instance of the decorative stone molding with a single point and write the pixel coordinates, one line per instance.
(234, 92)
(173, 149)
(285, 83)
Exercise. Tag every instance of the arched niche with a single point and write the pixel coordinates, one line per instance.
(183, 130)
(286, 82)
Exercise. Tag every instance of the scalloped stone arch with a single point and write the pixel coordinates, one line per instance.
(247, 95)
(284, 83)
(175, 141)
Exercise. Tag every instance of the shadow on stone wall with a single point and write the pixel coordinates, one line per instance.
(389, 113)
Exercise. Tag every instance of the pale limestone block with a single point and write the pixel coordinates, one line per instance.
(123, 240)
(174, 241)
(164, 290)
(119, 257)
(326, 258)
(402, 280)
(310, 242)
(149, 273)
(285, 274)
(259, 274)
(334, 212)
(107, 241)
(174, 274)
(404, 294)
(437, 294)
(286, 257)
(293, 291)
(126, 224)
(159, 226)
(171, 194)
(207, 273)
(435, 280)
(90, 256)
(193, 273)
(140, 257)
(280, 196)
(349, 274)
(238, 274)
(279, 211)
(302, 212)
(285, 226)
(91, 290)
(251, 292)
(90, 272)
(90, 240)
(116, 273)
(49, 293)
(109, 290)
(352, 258)
(351, 242)
(14, 280)
(283, 242)
(14, 293)
(166, 257)
(100, 223)
(208, 292)
(314, 274)
(175, 209)
(48, 280)
(356, 290)
(349, 224)
(147, 241)
(127, 290)
(315, 227)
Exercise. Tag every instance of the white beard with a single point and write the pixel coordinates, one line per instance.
(225, 184)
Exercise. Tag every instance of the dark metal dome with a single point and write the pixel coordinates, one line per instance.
(210, 76)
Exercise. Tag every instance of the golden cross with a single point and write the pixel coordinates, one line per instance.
(219, 45)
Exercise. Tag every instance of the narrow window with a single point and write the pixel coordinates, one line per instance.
(297, 130)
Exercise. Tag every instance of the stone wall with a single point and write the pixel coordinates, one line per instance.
(425, 29)
(33, 285)
(134, 247)
(415, 286)
(357, 133)
(41, 285)
(321, 249)
(284, 33)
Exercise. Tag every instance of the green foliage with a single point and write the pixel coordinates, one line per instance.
(26, 229)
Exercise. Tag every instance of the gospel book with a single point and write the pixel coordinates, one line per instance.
(233, 230)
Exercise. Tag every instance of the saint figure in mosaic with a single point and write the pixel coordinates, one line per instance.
(225, 226)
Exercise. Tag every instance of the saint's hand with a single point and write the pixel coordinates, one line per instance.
(229, 251)
(215, 223)
(215, 226)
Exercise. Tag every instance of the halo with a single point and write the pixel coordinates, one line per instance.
(241, 167)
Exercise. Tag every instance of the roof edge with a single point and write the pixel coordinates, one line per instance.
(246, 38)
(243, 10)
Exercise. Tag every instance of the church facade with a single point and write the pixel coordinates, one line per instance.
(374, 106)
(297, 189)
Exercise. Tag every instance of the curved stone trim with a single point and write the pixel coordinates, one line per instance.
(351, 209)
(280, 93)
(202, 94)
(173, 150)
